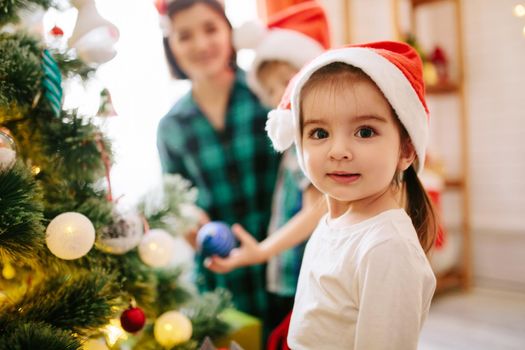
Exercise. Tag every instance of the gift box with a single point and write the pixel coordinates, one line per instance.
(246, 330)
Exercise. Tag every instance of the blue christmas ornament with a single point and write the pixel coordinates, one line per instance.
(215, 238)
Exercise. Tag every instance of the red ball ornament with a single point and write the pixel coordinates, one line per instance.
(133, 319)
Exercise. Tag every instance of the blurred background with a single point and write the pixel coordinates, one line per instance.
(473, 53)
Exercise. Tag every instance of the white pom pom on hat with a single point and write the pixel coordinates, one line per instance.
(280, 128)
(249, 35)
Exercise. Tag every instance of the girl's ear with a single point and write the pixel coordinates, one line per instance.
(406, 156)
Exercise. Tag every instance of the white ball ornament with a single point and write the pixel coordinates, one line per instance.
(172, 328)
(156, 248)
(97, 46)
(70, 235)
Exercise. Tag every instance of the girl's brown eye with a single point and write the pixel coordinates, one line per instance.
(318, 133)
(365, 132)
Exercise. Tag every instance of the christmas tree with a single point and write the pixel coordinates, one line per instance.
(76, 272)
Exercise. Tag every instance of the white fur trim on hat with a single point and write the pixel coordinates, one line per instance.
(283, 45)
(280, 129)
(390, 80)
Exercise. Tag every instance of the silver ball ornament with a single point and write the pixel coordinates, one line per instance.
(122, 235)
(7, 150)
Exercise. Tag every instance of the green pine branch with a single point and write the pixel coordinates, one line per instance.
(171, 291)
(136, 280)
(20, 72)
(73, 67)
(23, 335)
(204, 314)
(165, 213)
(9, 8)
(21, 216)
(80, 302)
(74, 146)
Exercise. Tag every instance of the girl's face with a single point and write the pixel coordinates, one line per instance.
(274, 79)
(351, 144)
(200, 39)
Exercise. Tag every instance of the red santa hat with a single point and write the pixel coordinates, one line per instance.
(394, 67)
(295, 35)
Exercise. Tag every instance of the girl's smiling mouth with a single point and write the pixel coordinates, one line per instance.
(343, 177)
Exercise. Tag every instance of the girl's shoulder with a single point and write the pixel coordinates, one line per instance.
(392, 229)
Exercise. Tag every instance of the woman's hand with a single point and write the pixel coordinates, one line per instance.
(249, 253)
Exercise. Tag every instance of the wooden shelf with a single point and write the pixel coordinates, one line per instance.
(442, 88)
(453, 279)
(454, 183)
(460, 275)
(416, 3)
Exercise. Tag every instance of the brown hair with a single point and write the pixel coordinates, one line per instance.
(177, 6)
(417, 202)
(268, 66)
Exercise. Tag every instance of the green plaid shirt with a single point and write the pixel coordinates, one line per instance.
(234, 170)
(283, 269)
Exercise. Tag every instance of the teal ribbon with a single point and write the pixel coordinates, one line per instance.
(51, 83)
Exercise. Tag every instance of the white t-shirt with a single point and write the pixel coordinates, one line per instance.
(364, 286)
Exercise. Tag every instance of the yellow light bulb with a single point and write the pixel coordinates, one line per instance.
(172, 328)
(8, 272)
(114, 332)
(519, 10)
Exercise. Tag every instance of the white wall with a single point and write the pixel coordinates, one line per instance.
(495, 76)
(336, 14)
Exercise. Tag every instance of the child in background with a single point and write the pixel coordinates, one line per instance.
(361, 129)
(293, 37)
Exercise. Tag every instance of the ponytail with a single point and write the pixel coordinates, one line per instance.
(420, 209)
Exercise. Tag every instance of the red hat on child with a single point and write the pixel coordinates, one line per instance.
(295, 35)
(395, 68)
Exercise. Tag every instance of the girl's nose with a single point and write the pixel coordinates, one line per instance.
(339, 148)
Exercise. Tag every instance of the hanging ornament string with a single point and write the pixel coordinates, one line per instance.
(51, 82)
(107, 163)
(145, 223)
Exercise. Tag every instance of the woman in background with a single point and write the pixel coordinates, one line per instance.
(214, 136)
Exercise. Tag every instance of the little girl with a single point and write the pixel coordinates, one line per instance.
(361, 129)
